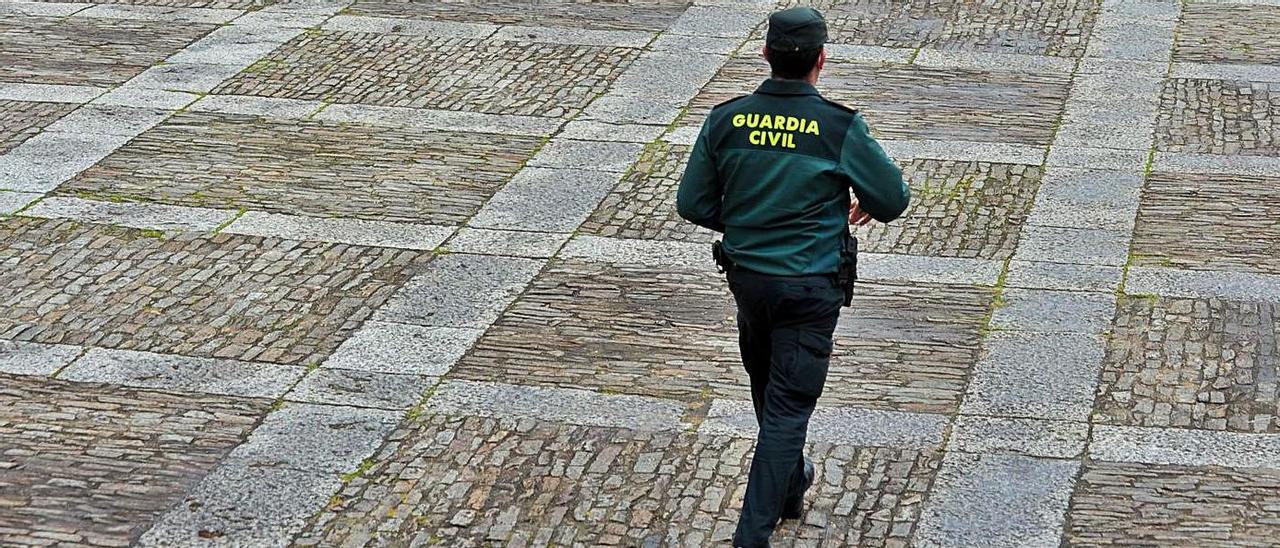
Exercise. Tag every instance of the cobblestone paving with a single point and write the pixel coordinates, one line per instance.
(19, 120)
(1217, 33)
(481, 482)
(910, 102)
(670, 333)
(1143, 505)
(442, 73)
(93, 465)
(1219, 117)
(324, 169)
(643, 205)
(216, 4)
(1192, 363)
(246, 298)
(645, 15)
(1005, 26)
(1209, 222)
(90, 51)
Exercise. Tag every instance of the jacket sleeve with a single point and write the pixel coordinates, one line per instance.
(875, 178)
(698, 199)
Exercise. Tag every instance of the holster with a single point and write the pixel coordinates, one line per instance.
(848, 274)
(723, 264)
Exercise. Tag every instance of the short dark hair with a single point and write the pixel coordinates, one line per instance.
(793, 65)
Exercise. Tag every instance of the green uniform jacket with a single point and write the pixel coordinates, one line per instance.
(773, 170)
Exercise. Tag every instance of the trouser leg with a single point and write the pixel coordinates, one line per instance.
(754, 341)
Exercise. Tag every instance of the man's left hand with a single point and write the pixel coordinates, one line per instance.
(858, 217)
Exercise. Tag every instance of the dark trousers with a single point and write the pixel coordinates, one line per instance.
(785, 325)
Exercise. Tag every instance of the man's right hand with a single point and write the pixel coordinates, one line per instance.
(858, 217)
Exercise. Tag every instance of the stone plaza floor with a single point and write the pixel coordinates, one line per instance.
(407, 273)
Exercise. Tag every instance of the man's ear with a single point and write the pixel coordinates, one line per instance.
(764, 52)
(822, 59)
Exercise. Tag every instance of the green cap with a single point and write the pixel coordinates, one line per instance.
(796, 29)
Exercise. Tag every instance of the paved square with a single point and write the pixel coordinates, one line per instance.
(1215, 33)
(322, 169)
(239, 297)
(488, 76)
(1219, 117)
(20, 120)
(94, 465)
(645, 15)
(90, 51)
(643, 205)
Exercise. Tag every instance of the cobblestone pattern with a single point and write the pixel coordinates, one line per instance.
(90, 51)
(239, 297)
(643, 205)
(452, 74)
(959, 209)
(1059, 28)
(643, 15)
(1144, 505)
(1198, 363)
(216, 4)
(487, 482)
(1217, 33)
(1208, 222)
(1219, 117)
(308, 167)
(93, 465)
(671, 333)
(911, 102)
(20, 120)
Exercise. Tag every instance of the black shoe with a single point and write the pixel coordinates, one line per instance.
(794, 505)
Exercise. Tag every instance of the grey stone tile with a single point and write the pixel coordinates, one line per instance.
(1244, 286)
(508, 243)
(627, 109)
(235, 45)
(131, 214)
(25, 358)
(180, 373)
(14, 201)
(48, 93)
(587, 155)
(574, 36)
(914, 268)
(192, 77)
(111, 120)
(1131, 133)
(1097, 158)
(1037, 310)
(668, 76)
(441, 119)
(716, 21)
(1113, 92)
(1030, 437)
(166, 14)
(257, 106)
(1185, 447)
(237, 506)
(1000, 153)
(46, 160)
(999, 62)
(1215, 71)
(146, 98)
(841, 425)
(682, 136)
(361, 389)
(1073, 245)
(329, 7)
(854, 53)
(1099, 199)
(1035, 375)
(573, 406)
(1214, 164)
(381, 347)
(546, 200)
(590, 130)
(1141, 31)
(264, 18)
(318, 439)
(697, 44)
(1123, 68)
(642, 252)
(42, 9)
(997, 501)
(461, 291)
(345, 231)
(1069, 277)
(389, 25)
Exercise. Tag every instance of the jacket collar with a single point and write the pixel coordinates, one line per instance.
(775, 86)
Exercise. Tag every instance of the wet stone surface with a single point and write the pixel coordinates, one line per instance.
(1006, 26)
(487, 76)
(307, 167)
(644, 15)
(958, 209)
(20, 120)
(643, 205)
(1219, 117)
(1145, 505)
(485, 482)
(911, 102)
(1217, 33)
(670, 332)
(238, 297)
(1208, 222)
(1192, 363)
(93, 465)
(90, 51)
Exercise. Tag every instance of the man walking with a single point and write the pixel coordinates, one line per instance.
(773, 171)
